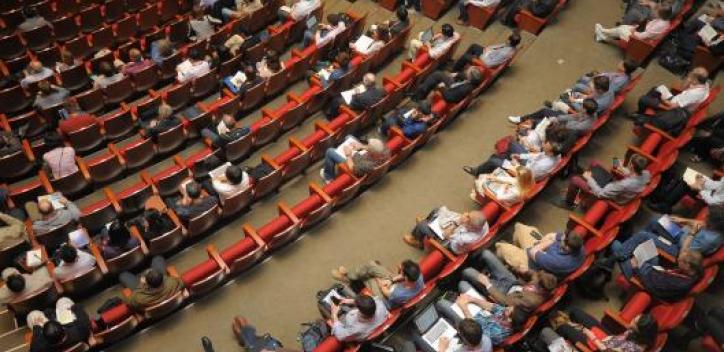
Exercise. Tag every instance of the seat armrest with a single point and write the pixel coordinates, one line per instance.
(285, 210)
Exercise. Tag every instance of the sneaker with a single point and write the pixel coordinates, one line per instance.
(514, 119)
(324, 178)
(469, 170)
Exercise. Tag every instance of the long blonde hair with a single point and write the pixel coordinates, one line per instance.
(525, 179)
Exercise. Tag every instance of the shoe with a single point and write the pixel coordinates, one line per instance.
(206, 344)
(469, 170)
(412, 241)
(514, 119)
(340, 274)
(321, 174)
(548, 104)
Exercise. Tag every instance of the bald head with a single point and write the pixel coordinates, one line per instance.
(477, 219)
(369, 80)
(35, 66)
(699, 75)
(376, 146)
(135, 55)
(45, 207)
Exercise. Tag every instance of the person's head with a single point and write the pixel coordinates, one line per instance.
(690, 262)
(376, 146)
(401, 13)
(333, 19)
(118, 234)
(551, 148)
(198, 11)
(572, 242)
(546, 280)
(382, 33)
(628, 66)
(154, 278)
(106, 69)
(601, 83)
(410, 270)
(64, 303)
(250, 73)
(45, 207)
(475, 219)
(165, 48)
(30, 12)
(272, 60)
(514, 38)
(229, 120)
(525, 178)
(638, 163)
(68, 253)
(164, 111)
(15, 283)
(369, 80)
(66, 57)
(53, 332)
(193, 190)
(645, 329)
(135, 55)
(366, 305)
(343, 59)
(715, 219)
(590, 106)
(447, 30)
(234, 174)
(52, 140)
(35, 66)
(474, 75)
(44, 87)
(665, 12)
(698, 75)
(470, 332)
(196, 55)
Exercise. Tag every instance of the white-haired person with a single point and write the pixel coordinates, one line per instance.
(363, 96)
(461, 231)
(361, 158)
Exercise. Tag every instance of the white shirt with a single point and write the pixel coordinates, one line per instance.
(654, 30)
(713, 192)
(506, 192)
(540, 164)
(35, 77)
(83, 262)
(482, 3)
(303, 8)
(439, 47)
(197, 69)
(691, 97)
(226, 189)
(353, 327)
(329, 35)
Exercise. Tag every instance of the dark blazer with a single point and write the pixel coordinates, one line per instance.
(542, 8)
(163, 126)
(368, 98)
(457, 91)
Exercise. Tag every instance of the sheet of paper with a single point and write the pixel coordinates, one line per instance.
(507, 165)
(437, 228)
(332, 293)
(324, 73)
(472, 308)
(219, 170)
(78, 238)
(690, 176)
(350, 140)
(707, 34)
(670, 226)
(363, 43)
(665, 92)
(348, 94)
(54, 199)
(34, 258)
(645, 251)
(238, 79)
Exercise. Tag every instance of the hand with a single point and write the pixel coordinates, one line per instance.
(515, 157)
(443, 344)
(484, 279)
(334, 310)
(383, 282)
(63, 200)
(587, 174)
(462, 300)
(698, 182)
(634, 263)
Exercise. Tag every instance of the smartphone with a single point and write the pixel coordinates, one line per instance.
(616, 162)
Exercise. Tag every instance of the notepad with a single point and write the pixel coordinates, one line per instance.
(348, 94)
(324, 73)
(707, 34)
(690, 176)
(238, 79)
(665, 92)
(645, 252)
(363, 43)
(473, 308)
(671, 227)
(34, 258)
(219, 171)
(78, 238)
(349, 140)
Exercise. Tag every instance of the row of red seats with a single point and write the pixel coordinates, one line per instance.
(52, 9)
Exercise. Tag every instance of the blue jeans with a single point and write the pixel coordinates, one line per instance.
(331, 159)
(463, 11)
(308, 38)
(501, 278)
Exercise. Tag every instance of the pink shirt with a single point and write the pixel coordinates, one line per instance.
(61, 161)
(655, 29)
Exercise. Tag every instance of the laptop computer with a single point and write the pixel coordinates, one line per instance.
(427, 35)
(432, 327)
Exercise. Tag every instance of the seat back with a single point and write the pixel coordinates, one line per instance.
(118, 124)
(98, 215)
(126, 28)
(48, 56)
(41, 299)
(114, 10)
(79, 47)
(86, 138)
(230, 67)
(239, 148)
(138, 153)
(168, 181)
(297, 164)
(75, 78)
(105, 167)
(125, 261)
(11, 47)
(102, 38)
(202, 86)
(179, 95)
(236, 203)
(276, 83)
(91, 101)
(83, 281)
(377, 173)
(267, 184)
(70, 185)
(166, 242)
(145, 79)
(118, 91)
(91, 18)
(39, 38)
(148, 18)
(253, 97)
(13, 100)
(199, 224)
(178, 30)
(55, 237)
(15, 165)
(165, 307)
(169, 140)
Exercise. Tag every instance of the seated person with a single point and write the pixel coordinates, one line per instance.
(705, 237)
(601, 184)
(462, 7)
(638, 12)
(12, 231)
(541, 164)
(115, 240)
(241, 8)
(165, 121)
(49, 95)
(539, 8)
(395, 289)
(365, 95)
(299, 10)
(691, 36)
(73, 262)
(153, 223)
(228, 130)
(337, 70)
(35, 72)
(413, 120)
(507, 189)
(46, 217)
(616, 79)
(380, 34)
(492, 55)
(654, 29)
(325, 33)
(252, 80)
(270, 64)
(366, 315)
(151, 287)
(401, 23)
(439, 44)
(557, 253)
(667, 195)
(572, 102)
(454, 87)
(461, 231)
(496, 320)
(136, 63)
(194, 67)
(470, 336)
(193, 201)
(503, 287)
(70, 325)
(108, 75)
(9, 143)
(19, 286)
(579, 122)
(672, 111)
(202, 25)
(233, 181)
(640, 336)
(360, 158)
(161, 49)
(32, 20)
(75, 118)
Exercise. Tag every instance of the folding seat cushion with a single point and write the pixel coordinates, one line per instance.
(105, 167)
(65, 28)
(11, 47)
(114, 10)
(91, 18)
(39, 38)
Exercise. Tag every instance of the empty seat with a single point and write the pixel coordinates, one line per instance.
(126, 28)
(16, 164)
(169, 10)
(11, 47)
(91, 19)
(114, 10)
(49, 56)
(91, 101)
(79, 47)
(102, 38)
(148, 18)
(118, 124)
(14, 100)
(178, 96)
(65, 28)
(138, 152)
(75, 78)
(86, 138)
(253, 97)
(204, 221)
(118, 91)
(104, 168)
(202, 86)
(39, 38)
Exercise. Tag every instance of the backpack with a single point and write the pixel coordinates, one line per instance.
(312, 334)
(592, 283)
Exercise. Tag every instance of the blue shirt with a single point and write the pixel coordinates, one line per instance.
(616, 80)
(705, 242)
(400, 293)
(495, 325)
(555, 261)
